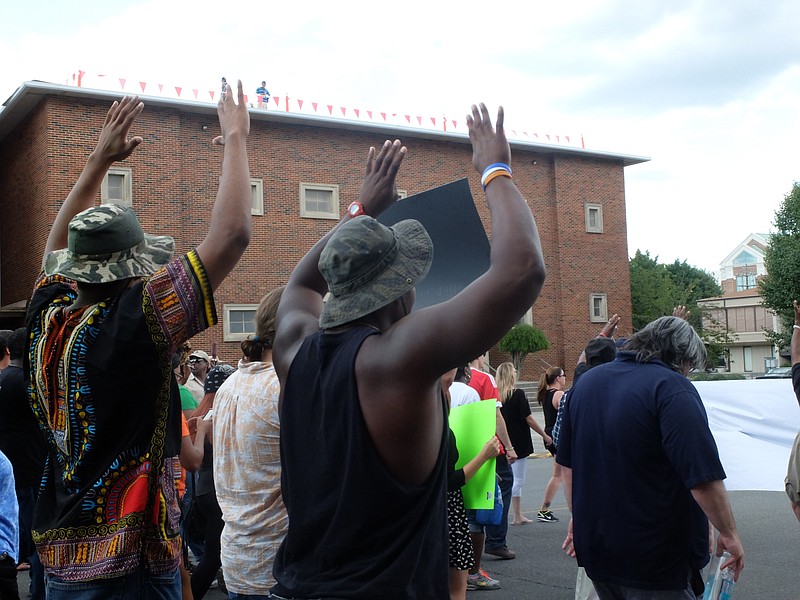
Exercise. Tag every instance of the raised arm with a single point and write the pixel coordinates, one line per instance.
(301, 303)
(113, 145)
(229, 229)
(493, 303)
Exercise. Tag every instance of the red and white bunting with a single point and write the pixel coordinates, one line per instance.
(102, 81)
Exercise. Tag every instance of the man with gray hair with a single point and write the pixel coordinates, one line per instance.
(642, 474)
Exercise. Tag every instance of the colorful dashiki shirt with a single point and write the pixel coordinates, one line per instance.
(247, 476)
(102, 389)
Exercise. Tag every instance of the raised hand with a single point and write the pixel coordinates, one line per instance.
(610, 327)
(681, 312)
(379, 190)
(114, 144)
(489, 144)
(234, 119)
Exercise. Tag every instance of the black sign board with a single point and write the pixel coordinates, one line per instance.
(460, 245)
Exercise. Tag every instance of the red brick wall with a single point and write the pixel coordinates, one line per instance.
(175, 179)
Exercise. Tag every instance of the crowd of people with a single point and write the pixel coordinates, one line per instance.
(323, 465)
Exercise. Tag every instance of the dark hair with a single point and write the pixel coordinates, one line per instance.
(5, 335)
(252, 348)
(16, 344)
(548, 378)
(461, 374)
(671, 340)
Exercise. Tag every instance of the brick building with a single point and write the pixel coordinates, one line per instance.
(305, 170)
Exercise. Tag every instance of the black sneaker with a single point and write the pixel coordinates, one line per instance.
(546, 516)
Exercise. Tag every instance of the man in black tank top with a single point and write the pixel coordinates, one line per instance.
(363, 428)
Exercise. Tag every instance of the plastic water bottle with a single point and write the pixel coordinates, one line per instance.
(726, 587)
(714, 580)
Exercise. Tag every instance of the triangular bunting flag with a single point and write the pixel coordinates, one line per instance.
(419, 120)
(356, 110)
(330, 109)
(567, 138)
(211, 93)
(369, 113)
(408, 118)
(178, 91)
(300, 104)
(383, 114)
(195, 92)
(314, 104)
(454, 124)
(433, 120)
(122, 83)
(160, 87)
(143, 85)
(343, 109)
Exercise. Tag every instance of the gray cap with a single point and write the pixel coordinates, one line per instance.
(367, 265)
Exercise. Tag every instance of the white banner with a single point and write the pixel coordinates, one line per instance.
(754, 423)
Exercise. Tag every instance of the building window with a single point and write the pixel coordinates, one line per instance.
(748, 358)
(744, 258)
(402, 193)
(598, 308)
(116, 187)
(239, 321)
(319, 201)
(257, 190)
(527, 318)
(747, 281)
(594, 218)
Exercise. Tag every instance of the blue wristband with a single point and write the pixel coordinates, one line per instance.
(493, 165)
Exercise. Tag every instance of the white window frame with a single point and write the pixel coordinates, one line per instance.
(603, 316)
(402, 193)
(127, 186)
(228, 335)
(334, 189)
(598, 226)
(527, 318)
(257, 190)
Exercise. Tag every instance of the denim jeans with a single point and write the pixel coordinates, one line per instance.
(135, 586)
(496, 534)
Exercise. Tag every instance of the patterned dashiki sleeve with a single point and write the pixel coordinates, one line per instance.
(182, 298)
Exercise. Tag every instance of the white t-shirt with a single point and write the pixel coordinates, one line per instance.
(461, 394)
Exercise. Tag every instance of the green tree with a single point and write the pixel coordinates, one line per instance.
(657, 288)
(522, 340)
(652, 290)
(781, 284)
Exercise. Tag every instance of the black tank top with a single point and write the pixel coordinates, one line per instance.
(549, 411)
(354, 530)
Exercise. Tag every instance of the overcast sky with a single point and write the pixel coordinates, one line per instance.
(710, 91)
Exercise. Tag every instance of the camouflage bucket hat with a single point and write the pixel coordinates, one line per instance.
(106, 243)
(368, 265)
